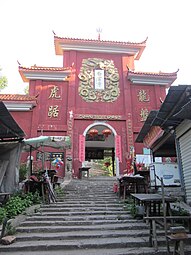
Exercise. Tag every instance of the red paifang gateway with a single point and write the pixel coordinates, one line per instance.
(99, 88)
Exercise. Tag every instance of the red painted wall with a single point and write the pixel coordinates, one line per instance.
(24, 120)
(43, 122)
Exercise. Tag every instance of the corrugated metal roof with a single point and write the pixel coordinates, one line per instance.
(176, 98)
(172, 111)
(175, 108)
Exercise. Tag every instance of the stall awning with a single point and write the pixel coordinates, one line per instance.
(8, 126)
(58, 142)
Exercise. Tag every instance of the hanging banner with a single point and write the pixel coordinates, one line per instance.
(81, 148)
(118, 147)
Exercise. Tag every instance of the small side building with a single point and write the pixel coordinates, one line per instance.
(167, 132)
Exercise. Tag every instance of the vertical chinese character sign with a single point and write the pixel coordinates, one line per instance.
(53, 110)
(118, 147)
(81, 148)
(99, 79)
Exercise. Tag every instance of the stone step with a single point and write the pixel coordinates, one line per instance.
(86, 200)
(77, 217)
(72, 226)
(90, 197)
(57, 214)
(49, 245)
(89, 219)
(53, 214)
(70, 222)
(83, 208)
(84, 211)
(82, 204)
(93, 196)
(94, 243)
(93, 251)
(82, 234)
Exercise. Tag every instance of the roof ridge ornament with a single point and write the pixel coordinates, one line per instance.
(53, 33)
(99, 31)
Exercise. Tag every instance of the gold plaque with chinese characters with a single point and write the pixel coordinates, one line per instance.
(99, 80)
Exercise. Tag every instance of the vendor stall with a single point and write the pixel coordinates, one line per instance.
(56, 159)
(11, 136)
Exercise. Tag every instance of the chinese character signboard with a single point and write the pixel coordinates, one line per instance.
(94, 153)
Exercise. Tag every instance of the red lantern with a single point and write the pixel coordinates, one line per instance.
(93, 132)
(106, 132)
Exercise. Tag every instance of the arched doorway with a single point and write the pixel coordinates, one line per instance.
(101, 144)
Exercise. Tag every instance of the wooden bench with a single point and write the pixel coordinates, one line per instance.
(178, 236)
(153, 220)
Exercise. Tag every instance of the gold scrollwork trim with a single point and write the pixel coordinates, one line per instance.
(99, 117)
(86, 85)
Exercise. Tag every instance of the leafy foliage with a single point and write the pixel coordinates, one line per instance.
(26, 90)
(59, 191)
(3, 82)
(10, 230)
(106, 166)
(178, 210)
(17, 205)
(2, 214)
(23, 172)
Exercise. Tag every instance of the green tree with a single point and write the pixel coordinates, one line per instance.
(3, 81)
(26, 90)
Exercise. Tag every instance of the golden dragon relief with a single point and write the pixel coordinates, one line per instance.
(87, 89)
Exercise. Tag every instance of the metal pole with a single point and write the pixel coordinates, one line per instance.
(164, 214)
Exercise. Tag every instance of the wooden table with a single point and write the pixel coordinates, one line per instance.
(83, 169)
(128, 184)
(152, 201)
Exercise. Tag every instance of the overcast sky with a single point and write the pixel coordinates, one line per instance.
(26, 32)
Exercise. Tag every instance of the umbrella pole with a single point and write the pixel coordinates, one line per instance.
(30, 160)
(43, 157)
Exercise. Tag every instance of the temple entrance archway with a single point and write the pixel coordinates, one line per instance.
(99, 144)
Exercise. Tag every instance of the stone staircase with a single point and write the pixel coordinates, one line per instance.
(89, 219)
